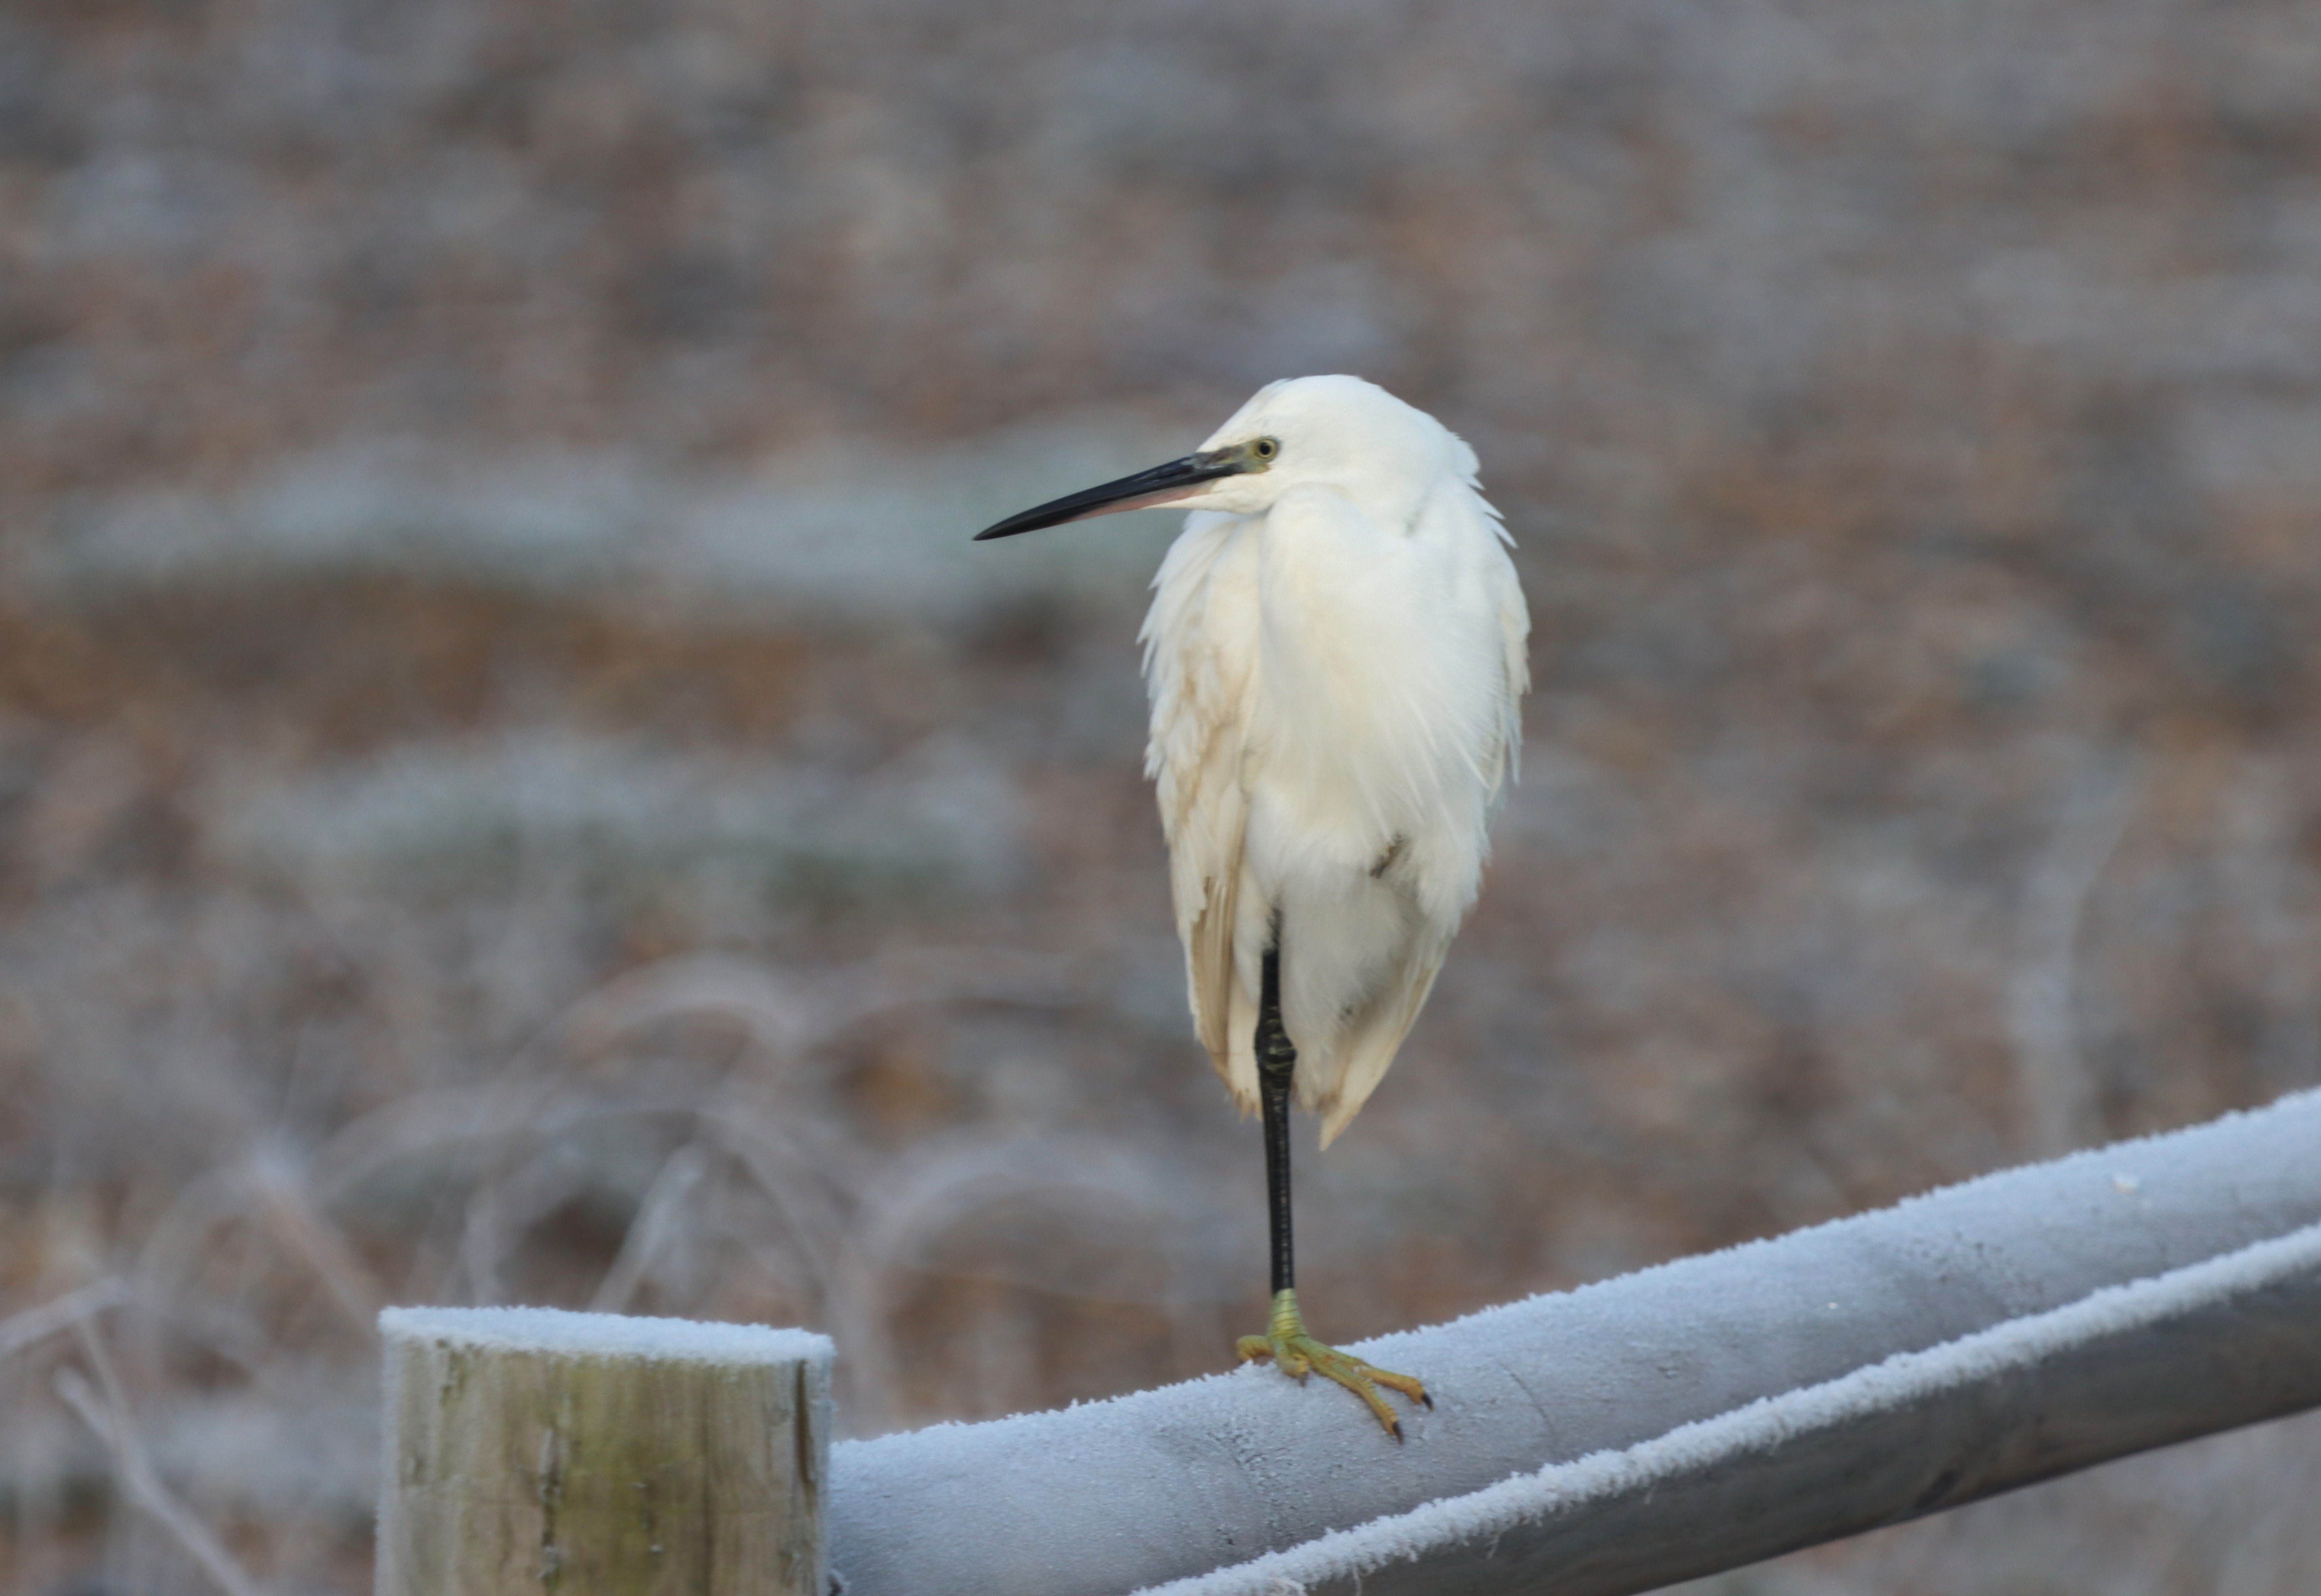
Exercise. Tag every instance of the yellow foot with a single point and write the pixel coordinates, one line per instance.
(1287, 1347)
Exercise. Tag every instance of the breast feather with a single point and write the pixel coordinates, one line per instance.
(1199, 643)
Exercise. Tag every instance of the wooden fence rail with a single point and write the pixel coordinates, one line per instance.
(1667, 1424)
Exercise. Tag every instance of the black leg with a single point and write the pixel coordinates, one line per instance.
(1277, 1065)
(1285, 1342)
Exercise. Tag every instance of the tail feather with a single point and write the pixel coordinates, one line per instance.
(1366, 1049)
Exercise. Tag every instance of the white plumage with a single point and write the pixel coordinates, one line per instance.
(1336, 653)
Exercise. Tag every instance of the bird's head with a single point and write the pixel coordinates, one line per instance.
(1332, 432)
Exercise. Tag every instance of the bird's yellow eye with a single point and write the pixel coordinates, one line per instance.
(1265, 449)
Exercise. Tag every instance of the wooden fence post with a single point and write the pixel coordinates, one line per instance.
(530, 1451)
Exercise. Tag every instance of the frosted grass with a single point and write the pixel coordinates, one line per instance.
(831, 536)
(940, 815)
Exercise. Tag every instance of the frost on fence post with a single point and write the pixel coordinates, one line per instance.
(530, 1451)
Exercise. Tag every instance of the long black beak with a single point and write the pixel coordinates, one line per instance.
(1178, 479)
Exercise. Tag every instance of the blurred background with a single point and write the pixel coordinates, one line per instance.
(514, 786)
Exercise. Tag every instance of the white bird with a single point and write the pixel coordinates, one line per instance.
(1336, 658)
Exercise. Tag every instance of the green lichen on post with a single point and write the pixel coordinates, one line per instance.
(536, 1471)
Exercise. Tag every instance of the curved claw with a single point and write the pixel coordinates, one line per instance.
(1287, 1347)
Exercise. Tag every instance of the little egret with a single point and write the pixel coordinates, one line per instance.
(1336, 653)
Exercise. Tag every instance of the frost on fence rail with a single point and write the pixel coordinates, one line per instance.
(1695, 1417)
(1785, 1469)
(529, 1449)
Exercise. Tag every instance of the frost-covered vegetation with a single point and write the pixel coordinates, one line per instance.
(513, 788)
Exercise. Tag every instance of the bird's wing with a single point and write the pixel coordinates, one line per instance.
(1198, 662)
(1515, 656)
(1367, 1046)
